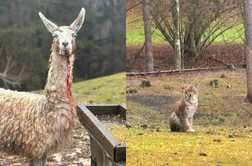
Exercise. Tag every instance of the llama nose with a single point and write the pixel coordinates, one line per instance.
(65, 44)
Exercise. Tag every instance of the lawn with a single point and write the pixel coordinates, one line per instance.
(209, 145)
(135, 36)
(108, 89)
(222, 122)
(103, 90)
(135, 32)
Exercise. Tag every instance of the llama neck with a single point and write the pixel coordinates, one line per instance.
(59, 82)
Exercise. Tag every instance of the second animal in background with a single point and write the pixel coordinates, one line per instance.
(183, 110)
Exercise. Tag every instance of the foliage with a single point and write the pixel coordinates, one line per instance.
(21, 46)
(101, 47)
(200, 22)
(135, 35)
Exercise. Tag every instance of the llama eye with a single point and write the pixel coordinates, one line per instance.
(74, 35)
(55, 36)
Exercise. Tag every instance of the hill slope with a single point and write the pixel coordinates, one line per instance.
(103, 90)
(108, 89)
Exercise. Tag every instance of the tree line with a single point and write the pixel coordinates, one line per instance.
(25, 43)
(189, 27)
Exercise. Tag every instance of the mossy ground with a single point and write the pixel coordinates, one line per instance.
(222, 123)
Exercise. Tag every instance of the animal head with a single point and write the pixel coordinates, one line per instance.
(191, 92)
(64, 36)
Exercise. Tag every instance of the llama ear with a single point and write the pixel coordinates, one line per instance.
(76, 25)
(49, 25)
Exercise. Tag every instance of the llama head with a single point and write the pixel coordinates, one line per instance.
(64, 36)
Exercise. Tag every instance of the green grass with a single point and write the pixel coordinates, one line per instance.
(135, 33)
(103, 90)
(108, 89)
(136, 37)
(223, 125)
(233, 35)
(187, 149)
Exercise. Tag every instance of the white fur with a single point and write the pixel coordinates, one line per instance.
(35, 125)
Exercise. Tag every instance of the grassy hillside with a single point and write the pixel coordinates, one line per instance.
(103, 90)
(108, 89)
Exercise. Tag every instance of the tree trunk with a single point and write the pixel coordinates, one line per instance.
(248, 46)
(148, 40)
(11, 17)
(177, 48)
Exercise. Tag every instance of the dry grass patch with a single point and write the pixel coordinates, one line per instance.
(222, 122)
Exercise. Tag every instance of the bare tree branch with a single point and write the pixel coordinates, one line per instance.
(201, 22)
(9, 79)
(131, 7)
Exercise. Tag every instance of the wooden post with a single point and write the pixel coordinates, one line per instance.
(106, 150)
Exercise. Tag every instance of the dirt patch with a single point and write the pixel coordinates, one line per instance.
(222, 105)
(161, 103)
(154, 111)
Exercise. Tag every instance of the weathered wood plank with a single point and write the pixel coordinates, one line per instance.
(98, 130)
(99, 156)
(120, 153)
(122, 111)
(174, 71)
(101, 109)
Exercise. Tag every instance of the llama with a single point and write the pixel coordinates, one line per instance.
(34, 125)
